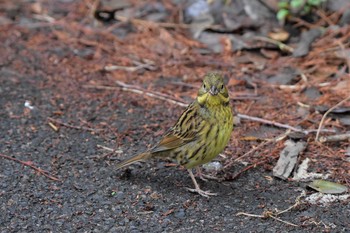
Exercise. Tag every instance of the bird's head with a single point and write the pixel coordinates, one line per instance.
(213, 91)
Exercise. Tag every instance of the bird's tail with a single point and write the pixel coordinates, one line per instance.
(134, 159)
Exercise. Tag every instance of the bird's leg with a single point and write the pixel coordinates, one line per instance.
(197, 189)
(200, 174)
(205, 177)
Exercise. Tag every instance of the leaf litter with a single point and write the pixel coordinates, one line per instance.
(63, 47)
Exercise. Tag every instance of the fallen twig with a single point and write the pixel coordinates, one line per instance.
(268, 141)
(280, 125)
(138, 90)
(279, 44)
(28, 164)
(325, 115)
(44, 17)
(151, 23)
(323, 16)
(111, 152)
(157, 95)
(297, 86)
(54, 127)
(69, 125)
(110, 149)
(126, 68)
(139, 65)
(267, 214)
(335, 138)
(300, 22)
(246, 169)
(271, 214)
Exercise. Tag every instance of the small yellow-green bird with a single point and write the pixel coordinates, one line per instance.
(200, 134)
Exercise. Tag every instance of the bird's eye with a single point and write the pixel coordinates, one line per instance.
(222, 86)
(205, 87)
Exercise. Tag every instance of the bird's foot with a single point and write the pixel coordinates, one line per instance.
(201, 192)
(197, 189)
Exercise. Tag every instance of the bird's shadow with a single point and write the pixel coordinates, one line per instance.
(160, 176)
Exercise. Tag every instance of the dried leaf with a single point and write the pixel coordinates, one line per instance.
(202, 23)
(307, 38)
(328, 187)
(279, 36)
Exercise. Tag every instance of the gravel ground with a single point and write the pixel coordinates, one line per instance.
(43, 78)
(92, 197)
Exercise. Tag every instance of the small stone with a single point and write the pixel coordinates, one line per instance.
(180, 213)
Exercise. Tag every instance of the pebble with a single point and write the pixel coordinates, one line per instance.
(180, 214)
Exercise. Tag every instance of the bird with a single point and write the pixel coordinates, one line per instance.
(202, 131)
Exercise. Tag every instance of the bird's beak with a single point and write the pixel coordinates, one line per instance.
(213, 90)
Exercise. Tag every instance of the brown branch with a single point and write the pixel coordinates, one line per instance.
(141, 91)
(157, 95)
(335, 138)
(301, 22)
(280, 125)
(247, 168)
(28, 164)
(325, 115)
(325, 18)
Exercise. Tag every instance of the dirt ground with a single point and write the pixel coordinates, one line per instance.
(61, 108)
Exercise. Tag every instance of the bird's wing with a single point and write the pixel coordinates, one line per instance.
(183, 132)
(171, 141)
